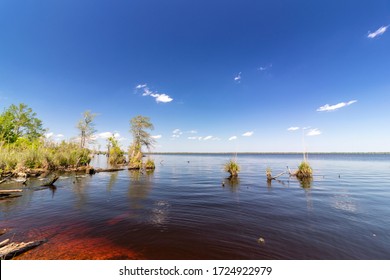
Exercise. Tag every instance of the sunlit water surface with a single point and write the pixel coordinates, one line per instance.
(183, 210)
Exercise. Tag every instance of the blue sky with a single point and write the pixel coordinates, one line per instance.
(263, 74)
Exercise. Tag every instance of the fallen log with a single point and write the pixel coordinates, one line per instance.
(13, 249)
(4, 197)
(3, 243)
(5, 179)
(108, 169)
(270, 177)
(51, 182)
(10, 191)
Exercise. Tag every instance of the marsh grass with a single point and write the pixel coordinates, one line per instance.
(117, 156)
(304, 170)
(38, 155)
(149, 164)
(232, 167)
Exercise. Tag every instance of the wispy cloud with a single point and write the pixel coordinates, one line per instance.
(232, 138)
(176, 133)
(156, 136)
(140, 86)
(192, 132)
(55, 137)
(192, 137)
(208, 137)
(238, 78)
(264, 68)
(379, 32)
(328, 108)
(293, 128)
(314, 132)
(159, 97)
(247, 134)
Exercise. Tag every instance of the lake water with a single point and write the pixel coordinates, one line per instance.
(183, 211)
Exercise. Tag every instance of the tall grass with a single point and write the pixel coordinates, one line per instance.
(232, 167)
(304, 170)
(39, 155)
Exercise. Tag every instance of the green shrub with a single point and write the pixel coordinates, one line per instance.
(149, 164)
(117, 156)
(304, 170)
(232, 167)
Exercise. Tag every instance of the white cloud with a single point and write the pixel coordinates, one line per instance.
(177, 131)
(263, 68)
(238, 77)
(232, 138)
(293, 128)
(49, 134)
(247, 134)
(141, 86)
(328, 108)
(379, 32)
(104, 135)
(156, 136)
(314, 132)
(192, 138)
(208, 137)
(161, 97)
(175, 136)
(55, 137)
(193, 131)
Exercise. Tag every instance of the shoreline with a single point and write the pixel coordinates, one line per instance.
(267, 153)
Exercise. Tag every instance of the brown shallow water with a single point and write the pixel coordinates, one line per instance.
(182, 211)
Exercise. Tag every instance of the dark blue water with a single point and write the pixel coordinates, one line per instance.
(188, 209)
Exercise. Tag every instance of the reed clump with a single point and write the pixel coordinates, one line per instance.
(304, 170)
(149, 164)
(21, 156)
(232, 167)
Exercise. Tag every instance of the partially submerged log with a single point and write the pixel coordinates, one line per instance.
(270, 177)
(5, 179)
(4, 242)
(6, 194)
(51, 182)
(13, 249)
(10, 191)
(98, 170)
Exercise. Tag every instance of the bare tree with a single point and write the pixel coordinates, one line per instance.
(87, 128)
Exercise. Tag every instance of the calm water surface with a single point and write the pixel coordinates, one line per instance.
(183, 211)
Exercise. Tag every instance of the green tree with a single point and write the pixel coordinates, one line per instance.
(116, 155)
(87, 128)
(141, 137)
(20, 121)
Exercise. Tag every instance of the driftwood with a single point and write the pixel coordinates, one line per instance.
(3, 231)
(5, 194)
(270, 177)
(13, 249)
(108, 169)
(10, 191)
(5, 179)
(3, 243)
(51, 182)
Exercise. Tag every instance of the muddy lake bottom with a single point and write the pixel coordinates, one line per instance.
(183, 210)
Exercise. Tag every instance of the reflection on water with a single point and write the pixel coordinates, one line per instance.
(188, 209)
